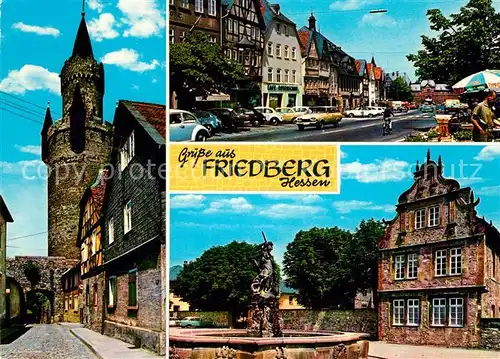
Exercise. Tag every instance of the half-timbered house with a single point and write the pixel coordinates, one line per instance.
(243, 30)
(193, 15)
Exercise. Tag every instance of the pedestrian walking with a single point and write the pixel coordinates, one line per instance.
(387, 120)
(483, 118)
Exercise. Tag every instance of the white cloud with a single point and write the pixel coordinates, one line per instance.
(378, 20)
(387, 170)
(488, 153)
(307, 199)
(489, 191)
(95, 5)
(143, 18)
(34, 150)
(135, 87)
(30, 78)
(351, 4)
(283, 210)
(154, 80)
(310, 198)
(233, 205)
(129, 59)
(40, 30)
(354, 205)
(29, 170)
(187, 201)
(103, 27)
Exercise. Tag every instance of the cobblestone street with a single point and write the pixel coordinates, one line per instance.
(46, 341)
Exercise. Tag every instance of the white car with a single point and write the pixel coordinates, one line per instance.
(362, 112)
(184, 126)
(272, 117)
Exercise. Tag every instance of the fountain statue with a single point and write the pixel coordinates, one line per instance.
(265, 319)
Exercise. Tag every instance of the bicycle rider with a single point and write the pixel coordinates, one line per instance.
(387, 118)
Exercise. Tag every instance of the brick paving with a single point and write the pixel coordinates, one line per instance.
(380, 350)
(46, 341)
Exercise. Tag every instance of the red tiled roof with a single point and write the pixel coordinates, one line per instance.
(358, 65)
(154, 114)
(378, 72)
(304, 39)
(369, 68)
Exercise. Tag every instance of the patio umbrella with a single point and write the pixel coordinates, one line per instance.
(480, 81)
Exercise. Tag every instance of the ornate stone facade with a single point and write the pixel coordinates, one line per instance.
(436, 272)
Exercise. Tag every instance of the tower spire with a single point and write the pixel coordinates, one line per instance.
(83, 8)
(428, 155)
(83, 46)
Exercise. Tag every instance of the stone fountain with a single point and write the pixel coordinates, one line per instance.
(265, 337)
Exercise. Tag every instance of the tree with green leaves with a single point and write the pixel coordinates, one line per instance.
(399, 90)
(199, 68)
(468, 42)
(220, 279)
(328, 266)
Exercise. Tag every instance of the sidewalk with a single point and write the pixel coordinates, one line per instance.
(381, 350)
(105, 347)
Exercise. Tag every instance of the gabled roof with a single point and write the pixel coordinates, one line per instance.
(83, 46)
(4, 211)
(323, 45)
(152, 117)
(269, 13)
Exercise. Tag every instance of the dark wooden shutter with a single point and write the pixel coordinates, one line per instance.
(132, 288)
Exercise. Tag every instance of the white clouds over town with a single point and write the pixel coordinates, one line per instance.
(129, 59)
(39, 30)
(30, 78)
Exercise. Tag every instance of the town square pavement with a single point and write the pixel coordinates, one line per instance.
(380, 350)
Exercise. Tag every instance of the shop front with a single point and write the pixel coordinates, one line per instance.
(281, 95)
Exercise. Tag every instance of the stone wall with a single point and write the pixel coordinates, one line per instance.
(93, 311)
(490, 334)
(51, 270)
(359, 320)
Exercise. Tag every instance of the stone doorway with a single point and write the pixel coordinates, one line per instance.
(40, 306)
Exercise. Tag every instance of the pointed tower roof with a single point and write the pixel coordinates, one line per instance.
(47, 122)
(83, 46)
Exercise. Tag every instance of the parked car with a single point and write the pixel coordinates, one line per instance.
(173, 322)
(319, 117)
(211, 122)
(254, 117)
(427, 108)
(184, 126)
(194, 322)
(272, 117)
(227, 116)
(363, 112)
(290, 114)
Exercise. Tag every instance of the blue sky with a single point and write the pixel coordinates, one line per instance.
(373, 177)
(388, 37)
(128, 36)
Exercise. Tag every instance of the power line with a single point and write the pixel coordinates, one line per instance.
(26, 236)
(27, 102)
(17, 114)
(40, 249)
(19, 107)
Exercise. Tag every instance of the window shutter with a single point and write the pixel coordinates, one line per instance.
(412, 220)
(442, 221)
(452, 211)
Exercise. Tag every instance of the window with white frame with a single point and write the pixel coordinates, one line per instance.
(213, 40)
(212, 7)
(412, 266)
(198, 5)
(287, 52)
(278, 75)
(294, 76)
(399, 263)
(270, 74)
(294, 53)
(440, 263)
(172, 36)
(127, 217)
(287, 76)
(420, 218)
(111, 230)
(456, 311)
(278, 28)
(455, 261)
(439, 311)
(278, 50)
(413, 312)
(127, 152)
(434, 216)
(398, 312)
(230, 25)
(269, 49)
(183, 36)
(286, 30)
(185, 4)
(172, 2)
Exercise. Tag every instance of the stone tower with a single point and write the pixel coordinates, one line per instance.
(75, 146)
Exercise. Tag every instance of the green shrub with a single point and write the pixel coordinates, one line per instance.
(463, 135)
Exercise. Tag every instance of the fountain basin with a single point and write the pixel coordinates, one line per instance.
(235, 344)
